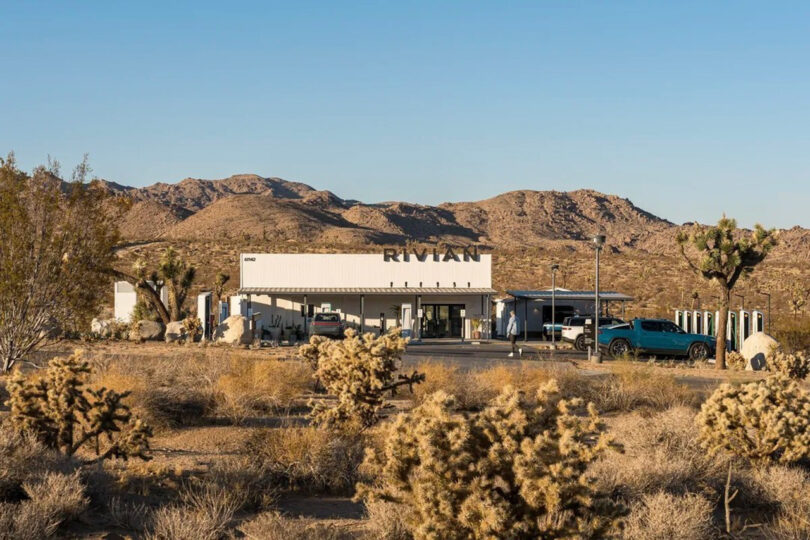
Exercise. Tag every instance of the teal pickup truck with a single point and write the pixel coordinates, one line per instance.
(654, 336)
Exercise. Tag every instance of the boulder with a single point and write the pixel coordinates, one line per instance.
(235, 330)
(175, 331)
(755, 350)
(100, 327)
(150, 330)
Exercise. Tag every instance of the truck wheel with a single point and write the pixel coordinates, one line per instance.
(698, 351)
(579, 343)
(619, 347)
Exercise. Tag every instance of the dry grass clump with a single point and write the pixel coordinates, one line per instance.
(675, 517)
(633, 388)
(474, 389)
(387, 521)
(167, 393)
(661, 453)
(306, 458)
(48, 501)
(787, 489)
(204, 514)
(251, 386)
(274, 526)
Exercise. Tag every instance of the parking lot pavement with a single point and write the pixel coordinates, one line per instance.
(484, 354)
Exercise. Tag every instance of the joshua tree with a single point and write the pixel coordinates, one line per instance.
(798, 298)
(723, 259)
(56, 249)
(174, 273)
(219, 284)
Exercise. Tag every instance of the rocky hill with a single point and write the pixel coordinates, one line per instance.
(249, 206)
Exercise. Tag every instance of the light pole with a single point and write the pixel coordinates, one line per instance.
(769, 307)
(742, 301)
(554, 268)
(599, 241)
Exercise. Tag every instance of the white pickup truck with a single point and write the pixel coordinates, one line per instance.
(573, 329)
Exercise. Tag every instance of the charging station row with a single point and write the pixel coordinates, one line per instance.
(741, 324)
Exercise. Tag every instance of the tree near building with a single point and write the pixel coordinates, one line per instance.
(172, 272)
(723, 258)
(56, 250)
(220, 280)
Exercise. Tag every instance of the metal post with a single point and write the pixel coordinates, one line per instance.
(362, 314)
(306, 315)
(599, 240)
(769, 308)
(525, 320)
(554, 268)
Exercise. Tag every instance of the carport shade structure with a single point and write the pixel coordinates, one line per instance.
(417, 292)
(605, 298)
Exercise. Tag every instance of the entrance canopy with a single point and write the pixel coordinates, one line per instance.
(565, 294)
(444, 291)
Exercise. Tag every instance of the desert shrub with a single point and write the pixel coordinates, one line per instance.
(786, 488)
(307, 458)
(274, 526)
(244, 475)
(65, 415)
(358, 371)
(387, 521)
(127, 515)
(50, 500)
(636, 388)
(251, 386)
(661, 453)
(794, 365)
(735, 361)
(763, 421)
(675, 517)
(165, 393)
(204, 514)
(514, 469)
(440, 376)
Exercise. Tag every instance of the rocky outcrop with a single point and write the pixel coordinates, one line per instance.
(755, 350)
(235, 330)
(149, 330)
(175, 331)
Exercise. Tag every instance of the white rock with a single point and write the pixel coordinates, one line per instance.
(235, 330)
(175, 331)
(150, 330)
(755, 350)
(100, 327)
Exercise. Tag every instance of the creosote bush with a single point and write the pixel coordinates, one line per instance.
(251, 386)
(767, 420)
(516, 469)
(675, 517)
(307, 459)
(58, 408)
(358, 371)
(794, 365)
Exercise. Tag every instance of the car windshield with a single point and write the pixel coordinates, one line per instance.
(671, 328)
(327, 317)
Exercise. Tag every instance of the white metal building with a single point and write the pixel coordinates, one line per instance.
(126, 297)
(429, 293)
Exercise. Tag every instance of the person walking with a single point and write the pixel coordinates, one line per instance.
(512, 330)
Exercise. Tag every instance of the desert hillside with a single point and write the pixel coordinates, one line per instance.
(212, 221)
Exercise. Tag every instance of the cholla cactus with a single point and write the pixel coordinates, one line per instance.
(58, 409)
(193, 328)
(766, 420)
(795, 366)
(513, 470)
(358, 371)
(735, 360)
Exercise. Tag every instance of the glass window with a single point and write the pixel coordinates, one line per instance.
(327, 317)
(672, 328)
(651, 326)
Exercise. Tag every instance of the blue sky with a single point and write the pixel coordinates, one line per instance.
(690, 109)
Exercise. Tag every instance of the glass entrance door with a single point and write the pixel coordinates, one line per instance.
(441, 320)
